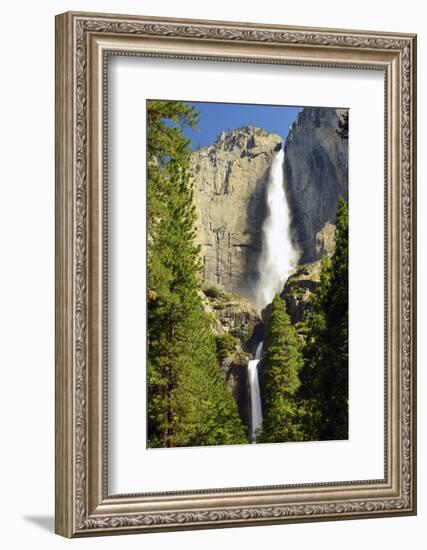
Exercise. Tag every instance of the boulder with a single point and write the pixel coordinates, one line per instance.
(232, 314)
(298, 290)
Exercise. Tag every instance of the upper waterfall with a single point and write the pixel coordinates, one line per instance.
(278, 255)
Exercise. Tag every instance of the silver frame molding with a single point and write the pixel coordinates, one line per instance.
(83, 43)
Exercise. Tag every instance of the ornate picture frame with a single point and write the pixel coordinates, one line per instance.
(84, 42)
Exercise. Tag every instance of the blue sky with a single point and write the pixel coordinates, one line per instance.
(215, 118)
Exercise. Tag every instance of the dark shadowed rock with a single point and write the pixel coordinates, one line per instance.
(234, 370)
(229, 180)
(315, 167)
(229, 193)
(233, 315)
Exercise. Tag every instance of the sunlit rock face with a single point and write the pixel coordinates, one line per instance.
(229, 186)
(230, 179)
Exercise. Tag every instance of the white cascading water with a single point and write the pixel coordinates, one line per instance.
(256, 416)
(277, 255)
(276, 262)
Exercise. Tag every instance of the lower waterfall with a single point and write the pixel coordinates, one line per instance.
(256, 416)
(275, 264)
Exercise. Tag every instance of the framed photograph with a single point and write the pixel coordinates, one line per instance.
(235, 274)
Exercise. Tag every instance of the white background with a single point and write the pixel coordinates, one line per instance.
(132, 80)
(27, 275)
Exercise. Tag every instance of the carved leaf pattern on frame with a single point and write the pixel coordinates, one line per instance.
(230, 33)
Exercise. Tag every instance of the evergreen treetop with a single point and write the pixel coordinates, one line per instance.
(324, 377)
(281, 361)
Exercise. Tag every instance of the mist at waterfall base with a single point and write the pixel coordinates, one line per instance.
(276, 262)
(278, 256)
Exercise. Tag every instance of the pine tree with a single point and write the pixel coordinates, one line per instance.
(281, 361)
(324, 377)
(188, 402)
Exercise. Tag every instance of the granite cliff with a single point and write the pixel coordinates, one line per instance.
(316, 174)
(229, 180)
(229, 191)
(234, 316)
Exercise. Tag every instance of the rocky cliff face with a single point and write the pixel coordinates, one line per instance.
(236, 316)
(234, 370)
(232, 314)
(229, 179)
(316, 168)
(299, 289)
(229, 192)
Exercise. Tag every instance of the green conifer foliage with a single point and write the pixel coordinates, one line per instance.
(281, 361)
(188, 402)
(324, 377)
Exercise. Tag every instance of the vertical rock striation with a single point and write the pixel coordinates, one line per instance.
(316, 174)
(229, 178)
(229, 192)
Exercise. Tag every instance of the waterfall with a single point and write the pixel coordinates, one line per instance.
(277, 256)
(276, 261)
(256, 416)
